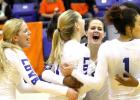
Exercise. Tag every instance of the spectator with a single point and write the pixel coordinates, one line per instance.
(87, 8)
(47, 36)
(5, 11)
(50, 7)
(52, 26)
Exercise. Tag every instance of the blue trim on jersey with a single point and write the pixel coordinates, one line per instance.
(57, 70)
(85, 64)
(48, 67)
(30, 71)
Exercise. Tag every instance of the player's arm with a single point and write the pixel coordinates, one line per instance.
(25, 70)
(50, 76)
(88, 81)
(128, 80)
(138, 82)
(100, 75)
(24, 87)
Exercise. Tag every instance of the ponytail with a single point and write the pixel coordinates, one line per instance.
(56, 51)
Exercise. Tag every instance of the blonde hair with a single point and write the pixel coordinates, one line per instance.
(10, 29)
(51, 58)
(64, 32)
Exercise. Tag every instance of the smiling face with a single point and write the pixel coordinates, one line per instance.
(16, 31)
(95, 32)
(23, 38)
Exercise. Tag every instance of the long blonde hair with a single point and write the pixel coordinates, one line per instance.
(64, 32)
(10, 29)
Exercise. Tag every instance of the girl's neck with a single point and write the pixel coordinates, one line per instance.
(125, 38)
(76, 36)
(93, 50)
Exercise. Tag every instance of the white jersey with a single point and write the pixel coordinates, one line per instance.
(11, 79)
(115, 57)
(102, 94)
(76, 54)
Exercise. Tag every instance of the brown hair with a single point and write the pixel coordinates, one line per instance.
(121, 18)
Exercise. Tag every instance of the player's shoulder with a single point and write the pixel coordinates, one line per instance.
(134, 44)
(11, 51)
(109, 43)
(85, 49)
(75, 46)
(14, 53)
(72, 43)
(105, 44)
(136, 41)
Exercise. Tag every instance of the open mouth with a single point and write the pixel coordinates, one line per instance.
(95, 37)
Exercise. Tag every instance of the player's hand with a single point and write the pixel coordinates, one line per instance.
(66, 69)
(127, 80)
(72, 94)
(72, 82)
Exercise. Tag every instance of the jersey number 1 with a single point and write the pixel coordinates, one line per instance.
(126, 64)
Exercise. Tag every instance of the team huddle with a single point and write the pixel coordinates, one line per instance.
(94, 70)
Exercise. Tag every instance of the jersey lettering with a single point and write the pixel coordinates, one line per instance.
(27, 67)
(31, 74)
(30, 71)
(85, 64)
(57, 70)
(126, 65)
(35, 80)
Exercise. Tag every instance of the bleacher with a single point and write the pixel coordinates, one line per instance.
(25, 11)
